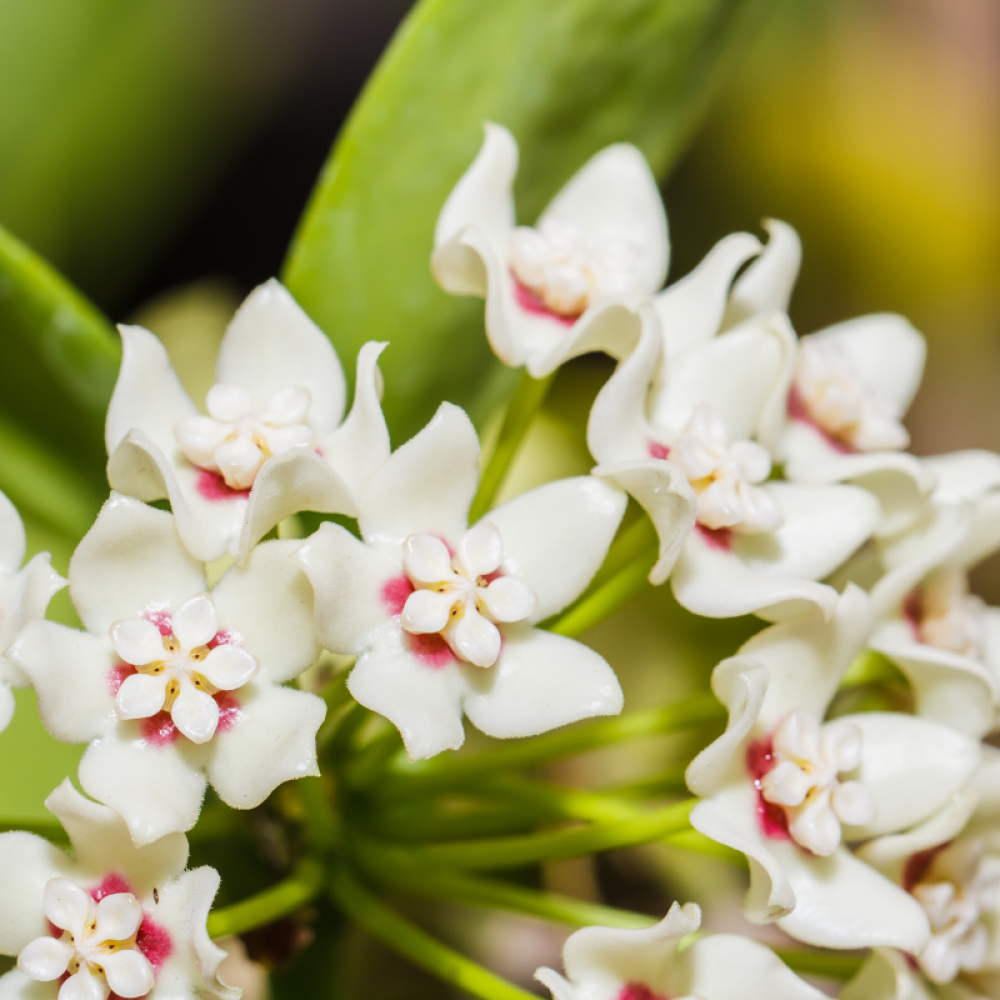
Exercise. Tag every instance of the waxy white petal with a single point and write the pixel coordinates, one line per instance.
(147, 394)
(118, 917)
(480, 550)
(766, 285)
(101, 842)
(195, 622)
(541, 681)
(195, 713)
(427, 485)
(854, 804)
(427, 559)
(131, 561)
(27, 863)
(76, 705)
(555, 537)
(273, 740)
(615, 196)
(140, 696)
(349, 579)
(509, 600)
(691, 309)
(129, 973)
(45, 959)
(475, 639)
(426, 611)
(423, 700)
(229, 667)
(137, 641)
(287, 407)
(84, 986)
(155, 789)
(228, 403)
(271, 345)
(67, 905)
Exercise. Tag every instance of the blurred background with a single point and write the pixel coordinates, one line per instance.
(160, 155)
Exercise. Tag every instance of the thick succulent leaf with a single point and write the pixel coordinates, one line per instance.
(60, 360)
(115, 117)
(567, 78)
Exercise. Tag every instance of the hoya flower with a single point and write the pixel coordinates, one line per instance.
(796, 792)
(759, 546)
(274, 440)
(951, 866)
(442, 616)
(604, 963)
(945, 639)
(173, 685)
(25, 592)
(559, 288)
(113, 920)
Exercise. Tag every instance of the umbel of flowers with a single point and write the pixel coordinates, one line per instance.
(770, 478)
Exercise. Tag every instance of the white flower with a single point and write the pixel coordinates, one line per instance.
(114, 919)
(604, 963)
(944, 639)
(422, 599)
(454, 597)
(563, 287)
(792, 794)
(97, 950)
(781, 537)
(25, 593)
(726, 477)
(170, 684)
(807, 760)
(830, 392)
(959, 887)
(274, 442)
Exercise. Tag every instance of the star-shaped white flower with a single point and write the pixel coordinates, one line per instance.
(562, 287)
(442, 616)
(274, 440)
(169, 683)
(25, 592)
(604, 963)
(760, 547)
(794, 794)
(113, 919)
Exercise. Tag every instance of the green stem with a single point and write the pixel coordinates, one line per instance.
(419, 779)
(524, 404)
(817, 963)
(532, 848)
(423, 950)
(601, 603)
(303, 885)
(669, 782)
(322, 831)
(492, 894)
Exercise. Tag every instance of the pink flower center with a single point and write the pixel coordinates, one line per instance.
(657, 450)
(759, 760)
(639, 991)
(719, 539)
(430, 649)
(159, 730)
(211, 486)
(797, 411)
(532, 303)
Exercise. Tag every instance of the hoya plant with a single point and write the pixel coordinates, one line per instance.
(326, 654)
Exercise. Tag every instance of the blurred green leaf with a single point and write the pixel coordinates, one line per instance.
(60, 363)
(566, 77)
(116, 115)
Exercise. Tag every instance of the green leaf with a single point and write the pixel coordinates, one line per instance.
(116, 117)
(566, 77)
(60, 363)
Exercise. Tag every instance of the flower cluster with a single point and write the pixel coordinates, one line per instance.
(773, 472)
